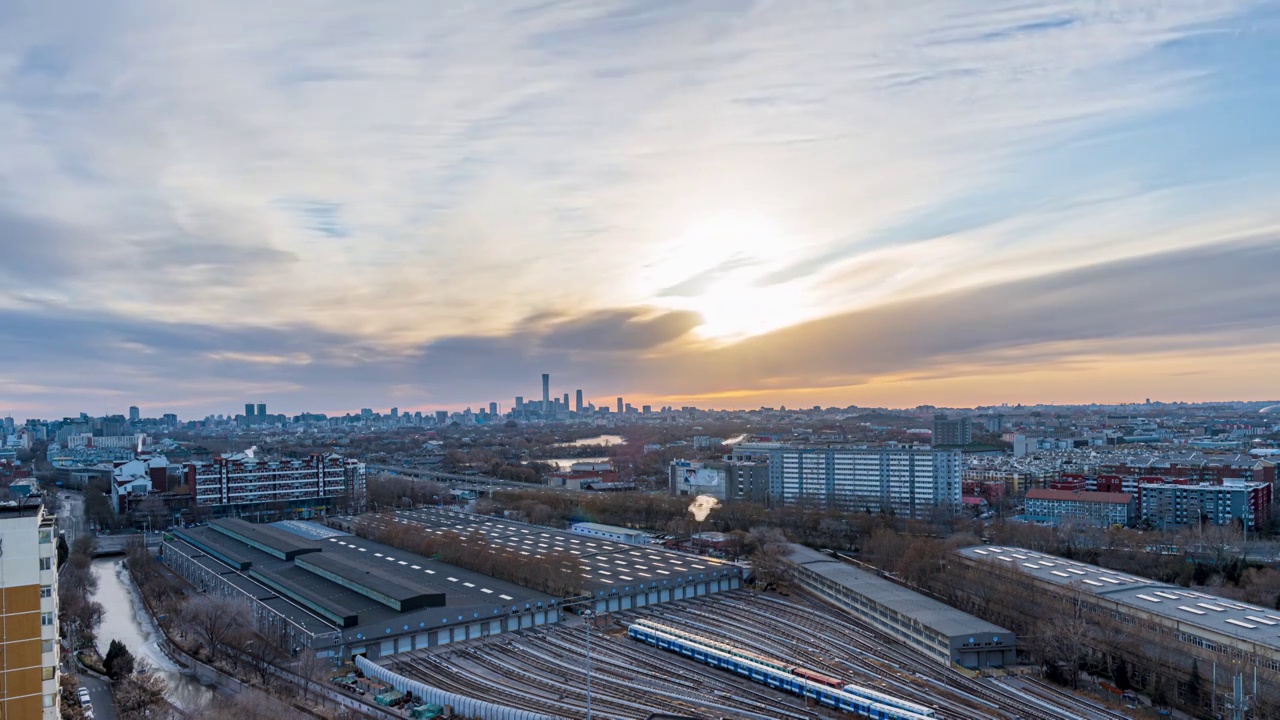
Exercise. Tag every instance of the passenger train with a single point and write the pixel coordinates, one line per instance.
(779, 679)
(791, 668)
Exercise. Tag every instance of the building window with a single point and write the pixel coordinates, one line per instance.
(46, 563)
(46, 673)
(46, 591)
(46, 537)
(46, 646)
(48, 700)
(46, 618)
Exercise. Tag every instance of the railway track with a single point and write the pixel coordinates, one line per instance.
(542, 668)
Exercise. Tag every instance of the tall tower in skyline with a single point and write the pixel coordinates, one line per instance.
(262, 410)
(578, 406)
(546, 393)
(248, 411)
(134, 413)
(619, 406)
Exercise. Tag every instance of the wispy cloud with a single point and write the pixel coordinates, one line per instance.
(411, 182)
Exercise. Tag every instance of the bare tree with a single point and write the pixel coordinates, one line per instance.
(214, 621)
(311, 668)
(141, 694)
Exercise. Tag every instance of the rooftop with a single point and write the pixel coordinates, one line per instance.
(605, 565)
(929, 612)
(429, 593)
(1080, 496)
(1189, 607)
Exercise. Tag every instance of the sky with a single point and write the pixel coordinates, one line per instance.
(325, 205)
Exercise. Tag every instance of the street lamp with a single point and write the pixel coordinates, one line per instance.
(587, 616)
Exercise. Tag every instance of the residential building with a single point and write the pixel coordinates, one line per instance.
(952, 431)
(134, 413)
(29, 610)
(546, 393)
(1236, 499)
(1094, 508)
(237, 483)
(906, 479)
(723, 480)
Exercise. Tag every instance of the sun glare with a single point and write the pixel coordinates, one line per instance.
(715, 269)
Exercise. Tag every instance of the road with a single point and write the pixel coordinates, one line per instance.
(71, 517)
(104, 707)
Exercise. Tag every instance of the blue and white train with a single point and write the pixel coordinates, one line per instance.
(777, 679)
(868, 693)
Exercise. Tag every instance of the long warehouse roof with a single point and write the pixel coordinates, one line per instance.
(929, 612)
(1228, 617)
(605, 565)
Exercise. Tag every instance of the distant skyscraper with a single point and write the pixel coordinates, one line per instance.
(442, 416)
(578, 406)
(134, 413)
(619, 406)
(395, 412)
(519, 405)
(248, 411)
(546, 393)
(262, 410)
(493, 408)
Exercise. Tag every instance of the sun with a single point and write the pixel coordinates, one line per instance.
(736, 308)
(719, 269)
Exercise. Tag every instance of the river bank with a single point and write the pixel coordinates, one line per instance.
(125, 618)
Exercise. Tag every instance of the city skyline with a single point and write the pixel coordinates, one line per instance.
(724, 205)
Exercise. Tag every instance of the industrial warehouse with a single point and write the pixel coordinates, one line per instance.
(940, 631)
(1189, 623)
(618, 575)
(312, 587)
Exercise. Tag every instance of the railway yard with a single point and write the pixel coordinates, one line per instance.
(543, 670)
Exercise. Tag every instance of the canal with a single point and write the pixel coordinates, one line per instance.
(125, 619)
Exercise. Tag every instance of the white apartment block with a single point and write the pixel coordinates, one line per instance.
(28, 611)
(909, 481)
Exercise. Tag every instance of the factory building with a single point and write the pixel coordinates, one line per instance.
(1178, 623)
(309, 586)
(615, 533)
(619, 576)
(940, 631)
(723, 480)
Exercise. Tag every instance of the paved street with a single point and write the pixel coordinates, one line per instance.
(100, 693)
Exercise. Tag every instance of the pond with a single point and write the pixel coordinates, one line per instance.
(125, 619)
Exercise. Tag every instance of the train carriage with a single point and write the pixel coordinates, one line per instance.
(832, 697)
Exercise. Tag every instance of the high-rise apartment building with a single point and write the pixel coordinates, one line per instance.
(493, 409)
(1235, 500)
(546, 393)
(578, 404)
(909, 480)
(952, 431)
(565, 406)
(519, 408)
(619, 406)
(262, 411)
(134, 413)
(28, 611)
(248, 411)
(243, 481)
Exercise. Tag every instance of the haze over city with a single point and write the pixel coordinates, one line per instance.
(725, 204)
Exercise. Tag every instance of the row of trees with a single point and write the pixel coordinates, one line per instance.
(554, 573)
(219, 630)
(79, 612)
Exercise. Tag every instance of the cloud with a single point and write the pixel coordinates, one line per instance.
(405, 189)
